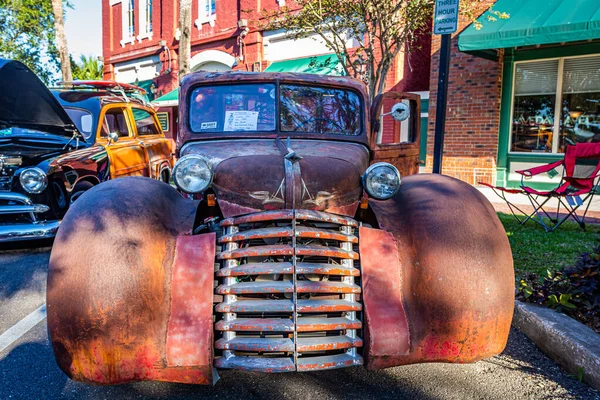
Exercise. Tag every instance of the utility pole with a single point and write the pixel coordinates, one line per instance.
(185, 40)
(445, 24)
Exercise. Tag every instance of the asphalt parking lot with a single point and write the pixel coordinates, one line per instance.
(28, 370)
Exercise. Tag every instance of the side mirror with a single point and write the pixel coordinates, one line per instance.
(400, 111)
(113, 137)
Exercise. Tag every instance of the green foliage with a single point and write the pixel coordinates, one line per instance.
(27, 34)
(88, 68)
(380, 29)
(536, 251)
(573, 290)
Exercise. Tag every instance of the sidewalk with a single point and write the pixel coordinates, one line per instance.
(593, 214)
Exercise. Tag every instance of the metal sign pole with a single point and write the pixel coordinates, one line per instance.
(445, 23)
(440, 110)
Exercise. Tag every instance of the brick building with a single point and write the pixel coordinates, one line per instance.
(520, 90)
(140, 45)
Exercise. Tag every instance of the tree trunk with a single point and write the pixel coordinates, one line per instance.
(61, 40)
(185, 47)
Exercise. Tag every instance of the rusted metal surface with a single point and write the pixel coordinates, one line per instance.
(229, 209)
(286, 268)
(268, 268)
(258, 251)
(326, 287)
(328, 362)
(285, 215)
(256, 344)
(324, 251)
(256, 287)
(326, 324)
(388, 332)
(278, 232)
(456, 269)
(252, 175)
(307, 306)
(256, 325)
(109, 284)
(198, 78)
(255, 364)
(308, 215)
(326, 269)
(190, 329)
(273, 232)
(328, 343)
(256, 306)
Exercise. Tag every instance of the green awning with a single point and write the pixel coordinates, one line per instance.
(323, 65)
(170, 99)
(533, 22)
(146, 85)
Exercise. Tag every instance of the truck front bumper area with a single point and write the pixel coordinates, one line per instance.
(18, 204)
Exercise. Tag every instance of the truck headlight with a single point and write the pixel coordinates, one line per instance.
(192, 174)
(33, 180)
(381, 181)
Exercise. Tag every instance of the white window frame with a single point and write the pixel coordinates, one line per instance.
(203, 16)
(557, 104)
(125, 23)
(144, 32)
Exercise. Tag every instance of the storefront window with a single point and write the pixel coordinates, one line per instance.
(534, 104)
(580, 117)
(556, 103)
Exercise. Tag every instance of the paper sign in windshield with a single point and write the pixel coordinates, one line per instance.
(240, 121)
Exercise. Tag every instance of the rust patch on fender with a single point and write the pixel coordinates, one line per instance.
(457, 270)
(109, 283)
(387, 330)
(190, 329)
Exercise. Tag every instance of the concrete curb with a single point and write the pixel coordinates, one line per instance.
(569, 343)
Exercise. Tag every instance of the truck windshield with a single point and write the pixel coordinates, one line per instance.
(252, 108)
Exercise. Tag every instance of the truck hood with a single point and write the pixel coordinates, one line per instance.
(250, 175)
(26, 102)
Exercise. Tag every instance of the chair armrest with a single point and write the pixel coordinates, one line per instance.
(541, 169)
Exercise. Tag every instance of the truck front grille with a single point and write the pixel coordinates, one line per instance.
(289, 292)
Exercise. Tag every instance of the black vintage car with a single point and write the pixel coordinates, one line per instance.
(45, 162)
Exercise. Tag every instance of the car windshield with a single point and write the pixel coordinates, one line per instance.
(82, 119)
(252, 108)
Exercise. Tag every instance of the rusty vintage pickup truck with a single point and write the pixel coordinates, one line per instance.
(296, 245)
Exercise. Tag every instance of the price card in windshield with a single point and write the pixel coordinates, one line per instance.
(446, 17)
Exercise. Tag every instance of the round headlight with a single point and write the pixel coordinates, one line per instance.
(382, 181)
(192, 174)
(33, 180)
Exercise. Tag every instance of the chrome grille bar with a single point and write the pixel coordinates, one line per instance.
(290, 285)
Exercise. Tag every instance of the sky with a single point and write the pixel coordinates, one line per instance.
(83, 27)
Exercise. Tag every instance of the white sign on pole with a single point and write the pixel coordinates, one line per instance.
(446, 17)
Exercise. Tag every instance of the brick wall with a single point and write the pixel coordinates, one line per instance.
(473, 112)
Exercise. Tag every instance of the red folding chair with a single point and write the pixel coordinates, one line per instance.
(581, 167)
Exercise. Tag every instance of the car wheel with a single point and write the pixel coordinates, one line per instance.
(80, 189)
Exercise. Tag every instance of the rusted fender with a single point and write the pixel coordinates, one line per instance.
(447, 291)
(129, 290)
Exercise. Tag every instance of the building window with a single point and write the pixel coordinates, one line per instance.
(128, 19)
(556, 103)
(145, 20)
(207, 13)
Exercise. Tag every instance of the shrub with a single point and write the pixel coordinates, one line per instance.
(574, 290)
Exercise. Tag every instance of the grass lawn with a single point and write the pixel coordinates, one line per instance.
(534, 250)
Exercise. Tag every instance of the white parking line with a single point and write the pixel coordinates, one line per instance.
(19, 329)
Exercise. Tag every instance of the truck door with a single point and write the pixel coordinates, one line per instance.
(151, 137)
(127, 157)
(395, 128)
